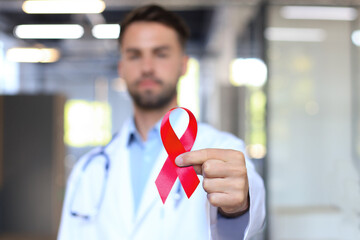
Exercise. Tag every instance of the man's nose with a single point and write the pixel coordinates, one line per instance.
(148, 65)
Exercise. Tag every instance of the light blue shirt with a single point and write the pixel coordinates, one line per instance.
(143, 155)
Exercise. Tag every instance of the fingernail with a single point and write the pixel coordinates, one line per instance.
(179, 160)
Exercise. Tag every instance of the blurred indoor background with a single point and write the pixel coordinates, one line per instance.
(281, 74)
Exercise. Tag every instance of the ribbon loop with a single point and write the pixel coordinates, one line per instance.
(174, 147)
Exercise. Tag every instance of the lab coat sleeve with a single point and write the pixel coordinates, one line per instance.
(257, 209)
(251, 222)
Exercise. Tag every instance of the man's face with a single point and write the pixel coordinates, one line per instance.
(152, 62)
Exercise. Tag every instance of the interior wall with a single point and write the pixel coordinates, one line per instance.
(313, 182)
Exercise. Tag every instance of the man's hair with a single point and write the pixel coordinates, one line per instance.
(155, 13)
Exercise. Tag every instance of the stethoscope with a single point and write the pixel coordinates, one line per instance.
(91, 214)
(96, 209)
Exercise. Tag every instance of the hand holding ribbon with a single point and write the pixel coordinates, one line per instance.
(224, 170)
(225, 177)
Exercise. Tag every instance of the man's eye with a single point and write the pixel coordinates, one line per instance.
(133, 57)
(162, 55)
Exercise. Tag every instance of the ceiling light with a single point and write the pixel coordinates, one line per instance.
(63, 6)
(295, 34)
(49, 31)
(319, 13)
(33, 55)
(106, 31)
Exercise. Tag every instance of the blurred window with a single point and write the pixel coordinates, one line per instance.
(87, 123)
(188, 88)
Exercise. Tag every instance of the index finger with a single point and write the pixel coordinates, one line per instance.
(198, 157)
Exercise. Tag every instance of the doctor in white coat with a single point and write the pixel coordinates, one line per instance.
(103, 200)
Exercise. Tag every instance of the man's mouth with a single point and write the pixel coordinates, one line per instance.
(148, 82)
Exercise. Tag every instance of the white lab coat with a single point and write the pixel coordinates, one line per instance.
(179, 218)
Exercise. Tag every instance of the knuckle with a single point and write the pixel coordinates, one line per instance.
(212, 199)
(236, 171)
(206, 184)
(236, 185)
(239, 198)
(243, 171)
(239, 155)
(239, 186)
(206, 167)
(239, 171)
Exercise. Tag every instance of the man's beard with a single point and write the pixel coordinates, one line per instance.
(149, 100)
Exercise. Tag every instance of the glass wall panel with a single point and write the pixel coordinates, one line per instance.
(313, 181)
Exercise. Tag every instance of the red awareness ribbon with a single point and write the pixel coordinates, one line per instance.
(174, 147)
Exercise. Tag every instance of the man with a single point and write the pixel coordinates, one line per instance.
(229, 202)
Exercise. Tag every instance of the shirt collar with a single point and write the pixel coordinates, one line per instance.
(134, 134)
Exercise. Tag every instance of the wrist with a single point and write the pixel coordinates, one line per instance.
(236, 213)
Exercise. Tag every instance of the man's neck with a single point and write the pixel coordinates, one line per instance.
(146, 119)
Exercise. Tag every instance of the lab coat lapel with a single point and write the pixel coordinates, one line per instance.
(151, 195)
(122, 179)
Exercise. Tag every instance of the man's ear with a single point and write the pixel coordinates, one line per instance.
(184, 64)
